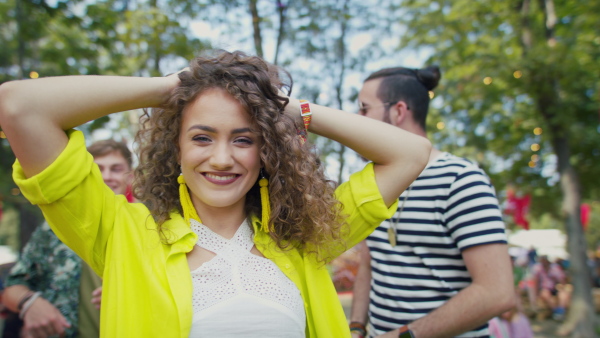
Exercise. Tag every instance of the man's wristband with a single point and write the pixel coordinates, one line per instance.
(28, 303)
(24, 299)
(358, 327)
(405, 332)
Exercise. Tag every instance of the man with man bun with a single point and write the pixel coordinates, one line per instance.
(440, 266)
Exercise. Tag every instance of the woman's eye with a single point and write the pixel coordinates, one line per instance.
(244, 140)
(201, 138)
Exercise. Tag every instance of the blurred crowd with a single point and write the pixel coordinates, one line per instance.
(543, 291)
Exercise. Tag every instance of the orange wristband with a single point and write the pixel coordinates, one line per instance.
(306, 118)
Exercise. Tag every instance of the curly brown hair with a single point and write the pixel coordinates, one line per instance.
(304, 211)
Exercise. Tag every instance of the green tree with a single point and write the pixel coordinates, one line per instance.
(113, 37)
(511, 67)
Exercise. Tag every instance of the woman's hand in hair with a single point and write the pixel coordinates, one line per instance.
(176, 76)
(292, 109)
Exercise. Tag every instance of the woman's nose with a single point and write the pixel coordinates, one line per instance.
(222, 157)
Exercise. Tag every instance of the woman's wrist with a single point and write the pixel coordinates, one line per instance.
(300, 113)
(293, 109)
(306, 115)
(168, 85)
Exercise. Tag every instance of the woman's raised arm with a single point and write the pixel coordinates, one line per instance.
(35, 113)
(399, 156)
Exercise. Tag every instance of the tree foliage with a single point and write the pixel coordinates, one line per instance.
(487, 97)
(114, 37)
(521, 88)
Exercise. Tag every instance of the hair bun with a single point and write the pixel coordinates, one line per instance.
(429, 76)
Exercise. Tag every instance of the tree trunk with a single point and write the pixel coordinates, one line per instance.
(155, 53)
(341, 56)
(256, 28)
(526, 36)
(21, 42)
(581, 316)
(281, 9)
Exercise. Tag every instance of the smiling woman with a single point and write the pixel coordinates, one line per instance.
(227, 118)
(237, 218)
(219, 155)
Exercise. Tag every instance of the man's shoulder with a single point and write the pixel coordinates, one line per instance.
(457, 161)
(464, 178)
(451, 164)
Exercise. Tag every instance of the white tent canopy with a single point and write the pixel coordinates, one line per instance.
(550, 242)
(7, 255)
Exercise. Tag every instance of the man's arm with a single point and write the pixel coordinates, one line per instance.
(362, 287)
(12, 296)
(490, 294)
(41, 319)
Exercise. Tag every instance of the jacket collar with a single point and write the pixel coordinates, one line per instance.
(179, 234)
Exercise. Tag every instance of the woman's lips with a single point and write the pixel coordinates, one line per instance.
(220, 178)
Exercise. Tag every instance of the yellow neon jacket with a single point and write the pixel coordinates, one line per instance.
(147, 288)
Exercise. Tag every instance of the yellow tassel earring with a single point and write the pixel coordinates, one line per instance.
(189, 212)
(264, 200)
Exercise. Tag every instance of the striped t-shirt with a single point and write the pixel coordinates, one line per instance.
(450, 207)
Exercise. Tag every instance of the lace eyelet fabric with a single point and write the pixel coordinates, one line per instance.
(237, 283)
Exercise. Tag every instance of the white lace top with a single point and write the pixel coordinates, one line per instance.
(239, 294)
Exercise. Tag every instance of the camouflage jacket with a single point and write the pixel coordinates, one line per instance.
(49, 266)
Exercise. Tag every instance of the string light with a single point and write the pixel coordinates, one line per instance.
(537, 131)
(517, 74)
(535, 147)
(440, 125)
(487, 80)
(2, 135)
(34, 75)
(535, 157)
(431, 94)
(531, 164)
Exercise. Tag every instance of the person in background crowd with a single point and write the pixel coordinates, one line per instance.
(510, 324)
(549, 282)
(51, 288)
(532, 256)
(440, 266)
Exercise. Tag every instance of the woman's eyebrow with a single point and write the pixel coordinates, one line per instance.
(214, 130)
(241, 130)
(203, 127)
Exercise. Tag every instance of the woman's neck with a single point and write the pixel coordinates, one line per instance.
(222, 221)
